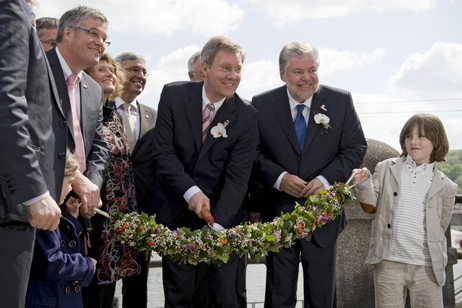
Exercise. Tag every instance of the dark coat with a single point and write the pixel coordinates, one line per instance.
(59, 270)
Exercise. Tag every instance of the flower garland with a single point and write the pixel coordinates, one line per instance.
(207, 245)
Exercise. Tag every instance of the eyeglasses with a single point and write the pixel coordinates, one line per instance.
(228, 69)
(52, 43)
(95, 34)
(137, 70)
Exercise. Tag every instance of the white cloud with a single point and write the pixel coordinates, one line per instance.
(333, 60)
(259, 76)
(283, 12)
(206, 17)
(437, 73)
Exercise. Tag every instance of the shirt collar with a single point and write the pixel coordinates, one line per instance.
(119, 102)
(66, 69)
(205, 101)
(423, 167)
(293, 103)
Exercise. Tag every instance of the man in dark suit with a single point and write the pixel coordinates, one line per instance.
(81, 40)
(197, 169)
(32, 152)
(135, 288)
(298, 156)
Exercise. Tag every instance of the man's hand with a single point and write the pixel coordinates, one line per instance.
(196, 202)
(312, 188)
(88, 193)
(292, 185)
(44, 214)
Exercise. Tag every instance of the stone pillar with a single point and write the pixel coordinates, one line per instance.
(355, 284)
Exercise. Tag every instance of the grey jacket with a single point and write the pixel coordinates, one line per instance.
(381, 197)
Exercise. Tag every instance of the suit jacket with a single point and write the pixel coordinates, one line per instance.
(32, 124)
(142, 158)
(220, 167)
(91, 94)
(383, 192)
(332, 153)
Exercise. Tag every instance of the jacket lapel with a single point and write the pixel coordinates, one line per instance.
(283, 112)
(436, 186)
(225, 113)
(193, 109)
(314, 130)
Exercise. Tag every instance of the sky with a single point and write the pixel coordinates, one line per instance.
(396, 57)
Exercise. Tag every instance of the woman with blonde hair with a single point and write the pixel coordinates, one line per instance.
(115, 261)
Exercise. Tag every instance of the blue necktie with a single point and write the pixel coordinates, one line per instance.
(300, 126)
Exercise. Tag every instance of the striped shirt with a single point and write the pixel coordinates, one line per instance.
(409, 239)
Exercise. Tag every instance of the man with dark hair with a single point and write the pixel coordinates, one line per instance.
(47, 29)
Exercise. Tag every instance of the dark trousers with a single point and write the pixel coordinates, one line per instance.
(17, 247)
(135, 288)
(319, 274)
(180, 283)
(98, 296)
(201, 292)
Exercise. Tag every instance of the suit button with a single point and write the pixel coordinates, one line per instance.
(389, 226)
(62, 155)
(62, 124)
(62, 243)
(77, 289)
(395, 194)
(67, 290)
(72, 244)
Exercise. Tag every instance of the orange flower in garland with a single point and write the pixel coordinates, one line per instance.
(223, 241)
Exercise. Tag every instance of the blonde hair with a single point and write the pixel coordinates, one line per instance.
(433, 129)
(71, 164)
(118, 72)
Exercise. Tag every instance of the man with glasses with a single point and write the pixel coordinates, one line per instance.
(198, 169)
(81, 98)
(47, 29)
(139, 121)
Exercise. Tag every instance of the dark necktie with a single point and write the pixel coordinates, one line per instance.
(300, 126)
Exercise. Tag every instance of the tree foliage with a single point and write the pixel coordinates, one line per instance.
(452, 167)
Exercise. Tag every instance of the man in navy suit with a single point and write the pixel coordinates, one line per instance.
(298, 156)
(33, 149)
(196, 168)
(81, 41)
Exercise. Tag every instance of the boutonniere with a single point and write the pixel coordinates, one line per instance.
(219, 130)
(321, 118)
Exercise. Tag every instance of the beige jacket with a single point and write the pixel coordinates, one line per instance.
(381, 197)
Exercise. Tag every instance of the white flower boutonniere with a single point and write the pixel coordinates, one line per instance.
(219, 130)
(320, 118)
